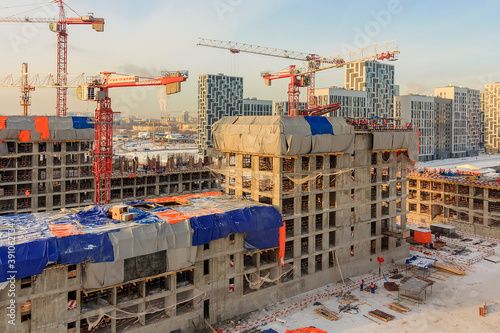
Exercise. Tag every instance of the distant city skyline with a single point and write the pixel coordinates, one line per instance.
(446, 43)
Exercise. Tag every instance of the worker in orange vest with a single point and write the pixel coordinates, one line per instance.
(361, 285)
(372, 287)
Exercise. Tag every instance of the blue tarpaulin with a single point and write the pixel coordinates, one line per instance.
(82, 123)
(89, 247)
(420, 261)
(252, 220)
(319, 125)
(269, 330)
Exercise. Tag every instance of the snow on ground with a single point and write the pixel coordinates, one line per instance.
(453, 306)
(144, 149)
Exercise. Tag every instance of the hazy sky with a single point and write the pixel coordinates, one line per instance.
(441, 43)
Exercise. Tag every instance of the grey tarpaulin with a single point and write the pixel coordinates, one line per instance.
(26, 123)
(134, 241)
(397, 140)
(104, 274)
(60, 123)
(180, 258)
(280, 136)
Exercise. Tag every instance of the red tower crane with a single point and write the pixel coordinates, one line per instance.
(301, 74)
(103, 131)
(59, 26)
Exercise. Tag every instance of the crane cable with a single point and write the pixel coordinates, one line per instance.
(29, 10)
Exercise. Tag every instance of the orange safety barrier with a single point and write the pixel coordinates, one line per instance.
(42, 126)
(422, 237)
(24, 136)
(64, 230)
(2, 121)
(306, 330)
(281, 254)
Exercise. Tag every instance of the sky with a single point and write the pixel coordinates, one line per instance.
(441, 43)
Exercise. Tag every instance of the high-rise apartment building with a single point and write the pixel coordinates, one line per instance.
(377, 79)
(219, 95)
(465, 118)
(442, 126)
(490, 104)
(257, 107)
(353, 101)
(185, 116)
(419, 111)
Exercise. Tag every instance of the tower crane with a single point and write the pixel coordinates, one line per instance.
(300, 74)
(103, 130)
(59, 26)
(311, 58)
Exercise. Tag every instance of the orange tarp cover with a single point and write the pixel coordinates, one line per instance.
(306, 330)
(64, 230)
(422, 237)
(184, 198)
(24, 136)
(2, 121)
(281, 254)
(42, 126)
(172, 216)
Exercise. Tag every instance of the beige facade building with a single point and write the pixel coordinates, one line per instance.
(490, 103)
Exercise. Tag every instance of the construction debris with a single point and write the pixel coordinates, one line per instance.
(348, 309)
(483, 310)
(381, 315)
(398, 307)
(327, 313)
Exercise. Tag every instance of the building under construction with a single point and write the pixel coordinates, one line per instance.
(323, 200)
(46, 164)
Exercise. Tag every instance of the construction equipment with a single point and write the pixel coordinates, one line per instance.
(301, 74)
(59, 26)
(233, 47)
(28, 82)
(103, 142)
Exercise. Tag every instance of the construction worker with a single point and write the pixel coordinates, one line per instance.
(361, 285)
(438, 236)
(372, 287)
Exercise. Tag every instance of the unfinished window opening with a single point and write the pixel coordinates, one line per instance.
(412, 207)
(146, 265)
(385, 225)
(206, 309)
(71, 327)
(318, 262)
(268, 257)
(385, 243)
(333, 161)
(385, 174)
(231, 285)
(373, 175)
(318, 241)
(463, 202)
(305, 186)
(398, 242)
(424, 209)
(353, 213)
(265, 163)
(353, 175)
(374, 193)
(452, 188)
(333, 181)
(333, 200)
(352, 250)
(330, 260)
(385, 191)
(232, 159)
(398, 205)
(373, 228)
(478, 191)
(246, 182)
(157, 285)
(304, 245)
(206, 246)
(385, 208)
(352, 194)
(247, 161)
(265, 185)
(478, 204)
(305, 203)
(287, 206)
(288, 165)
(399, 189)
(319, 222)
(184, 302)
(72, 300)
(374, 211)
(319, 201)
(288, 186)
(26, 282)
(319, 162)
(352, 232)
(319, 182)
(265, 200)
(304, 266)
(374, 158)
(184, 279)
(462, 189)
(425, 196)
(232, 181)
(452, 213)
(231, 239)
(250, 284)
(331, 240)
(288, 250)
(25, 311)
(353, 157)
(493, 223)
(305, 163)
(289, 228)
(331, 220)
(386, 156)
(373, 246)
(304, 225)
(463, 217)
(206, 267)
(231, 191)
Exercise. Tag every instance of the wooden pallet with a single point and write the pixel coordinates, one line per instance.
(448, 269)
(381, 315)
(327, 313)
(398, 307)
